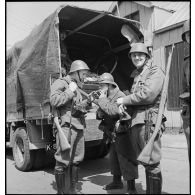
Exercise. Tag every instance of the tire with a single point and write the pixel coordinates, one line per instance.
(23, 157)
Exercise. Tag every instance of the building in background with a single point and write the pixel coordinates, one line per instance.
(162, 24)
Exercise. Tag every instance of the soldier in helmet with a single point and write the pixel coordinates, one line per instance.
(185, 96)
(144, 99)
(64, 94)
(122, 154)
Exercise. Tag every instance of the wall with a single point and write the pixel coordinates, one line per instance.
(167, 38)
(181, 50)
(128, 7)
(160, 17)
(162, 42)
(173, 116)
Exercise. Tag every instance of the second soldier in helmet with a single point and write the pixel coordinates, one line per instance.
(115, 126)
(64, 94)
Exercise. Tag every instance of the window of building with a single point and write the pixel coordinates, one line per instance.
(134, 16)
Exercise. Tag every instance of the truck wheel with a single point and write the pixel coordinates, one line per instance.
(23, 157)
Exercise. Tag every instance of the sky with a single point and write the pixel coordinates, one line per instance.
(22, 17)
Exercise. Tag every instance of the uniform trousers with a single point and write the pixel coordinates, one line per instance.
(77, 150)
(122, 158)
(137, 134)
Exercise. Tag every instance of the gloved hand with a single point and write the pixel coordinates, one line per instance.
(94, 95)
(119, 101)
(99, 115)
(73, 86)
(122, 109)
(103, 93)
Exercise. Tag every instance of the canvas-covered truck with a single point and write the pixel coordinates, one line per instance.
(70, 33)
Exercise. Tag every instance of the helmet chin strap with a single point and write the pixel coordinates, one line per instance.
(79, 76)
(105, 91)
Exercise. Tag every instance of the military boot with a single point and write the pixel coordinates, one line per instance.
(60, 180)
(74, 181)
(131, 187)
(147, 182)
(115, 184)
(155, 183)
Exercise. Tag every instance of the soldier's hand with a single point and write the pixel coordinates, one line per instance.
(94, 95)
(122, 109)
(73, 86)
(119, 101)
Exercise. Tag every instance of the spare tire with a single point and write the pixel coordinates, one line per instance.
(23, 157)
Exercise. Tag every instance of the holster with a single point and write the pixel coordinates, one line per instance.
(150, 120)
(122, 126)
(78, 111)
(106, 125)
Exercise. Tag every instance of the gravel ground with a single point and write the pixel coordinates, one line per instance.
(94, 174)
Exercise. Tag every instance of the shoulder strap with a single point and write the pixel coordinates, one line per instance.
(66, 79)
(115, 95)
(143, 73)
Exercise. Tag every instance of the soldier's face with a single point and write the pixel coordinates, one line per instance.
(138, 59)
(82, 74)
(103, 89)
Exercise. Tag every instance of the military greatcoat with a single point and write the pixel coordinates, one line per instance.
(122, 153)
(62, 98)
(144, 96)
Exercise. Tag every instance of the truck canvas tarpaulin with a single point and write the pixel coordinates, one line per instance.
(32, 61)
(29, 64)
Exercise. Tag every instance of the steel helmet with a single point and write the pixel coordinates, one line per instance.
(186, 28)
(107, 78)
(138, 47)
(78, 65)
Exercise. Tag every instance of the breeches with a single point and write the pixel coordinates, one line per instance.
(122, 158)
(137, 133)
(77, 151)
